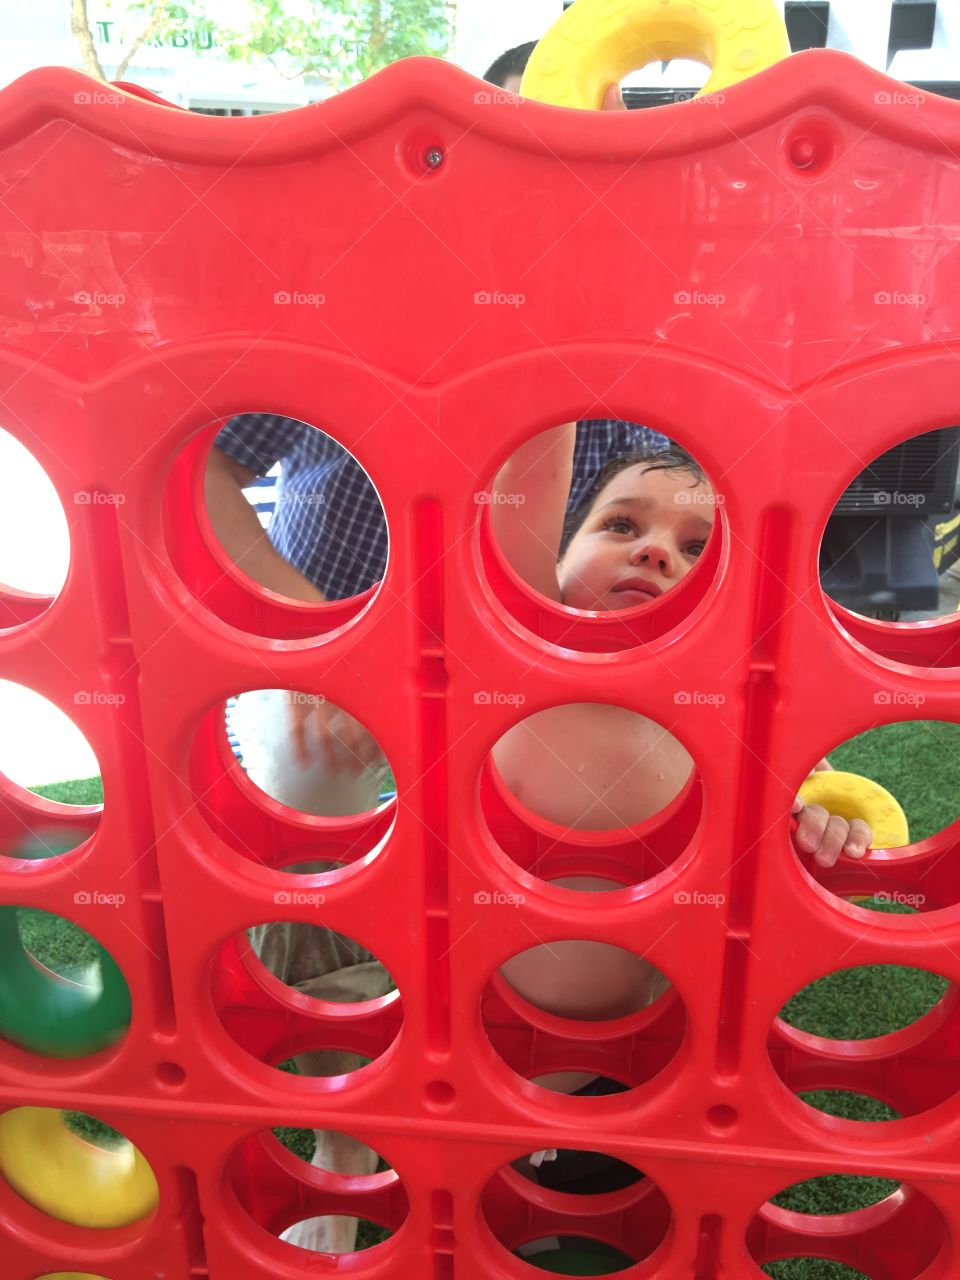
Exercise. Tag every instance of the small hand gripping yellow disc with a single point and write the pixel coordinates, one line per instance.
(70, 1179)
(597, 42)
(851, 796)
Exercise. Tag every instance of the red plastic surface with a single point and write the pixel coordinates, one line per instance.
(613, 229)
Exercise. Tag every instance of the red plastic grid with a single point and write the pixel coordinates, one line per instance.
(783, 393)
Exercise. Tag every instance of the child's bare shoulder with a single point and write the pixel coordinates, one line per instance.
(591, 765)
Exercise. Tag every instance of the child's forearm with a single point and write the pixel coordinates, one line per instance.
(529, 502)
(242, 536)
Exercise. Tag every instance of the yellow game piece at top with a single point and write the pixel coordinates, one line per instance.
(595, 43)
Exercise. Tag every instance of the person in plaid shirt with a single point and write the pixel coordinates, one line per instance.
(328, 522)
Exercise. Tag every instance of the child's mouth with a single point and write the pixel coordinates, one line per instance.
(638, 591)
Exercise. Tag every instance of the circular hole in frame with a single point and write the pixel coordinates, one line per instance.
(616, 560)
(308, 754)
(289, 840)
(918, 763)
(628, 1215)
(285, 517)
(834, 1193)
(844, 1215)
(61, 993)
(887, 1024)
(890, 551)
(574, 1256)
(847, 1104)
(50, 780)
(34, 538)
(551, 759)
(71, 1275)
(864, 1002)
(805, 1267)
(307, 969)
(75, 1169)
(336, 1233)
(582, 1036)
(590, 797)
(359, 1207)
(336, 1152)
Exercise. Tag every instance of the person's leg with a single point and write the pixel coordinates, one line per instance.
(309, 959)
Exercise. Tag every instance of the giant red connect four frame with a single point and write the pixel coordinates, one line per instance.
(715, 270)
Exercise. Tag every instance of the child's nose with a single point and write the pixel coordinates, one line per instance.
(655, 552)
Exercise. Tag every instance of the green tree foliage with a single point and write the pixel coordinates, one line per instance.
(341, 41)
(337, 41)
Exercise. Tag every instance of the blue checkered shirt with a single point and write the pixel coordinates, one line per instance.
(328, 522)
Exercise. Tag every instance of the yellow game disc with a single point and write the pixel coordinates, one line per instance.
(597, 42)
(851, 796)
(72, 1180)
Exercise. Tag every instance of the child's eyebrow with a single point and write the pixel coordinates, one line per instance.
(641, 502)
(626, 502)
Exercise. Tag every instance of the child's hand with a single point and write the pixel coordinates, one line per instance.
(322, 731)
(827, 835)
(613, 99)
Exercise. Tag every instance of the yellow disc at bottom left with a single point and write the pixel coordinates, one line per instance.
(69, 1178)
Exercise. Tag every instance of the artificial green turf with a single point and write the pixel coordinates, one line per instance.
(812, 1269)
(80, 791)
(59, 944)
(93, 1130)
(919, 762)
(834, 1193)
(846, 1105)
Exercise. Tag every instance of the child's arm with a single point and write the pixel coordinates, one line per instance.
(529, 501)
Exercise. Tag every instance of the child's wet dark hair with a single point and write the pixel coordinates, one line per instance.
(672, 459)
(511, 63)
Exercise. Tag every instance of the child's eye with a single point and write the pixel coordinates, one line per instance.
(695, 548)
(619, 524)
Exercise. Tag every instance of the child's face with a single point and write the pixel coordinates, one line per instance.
(643, 534)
